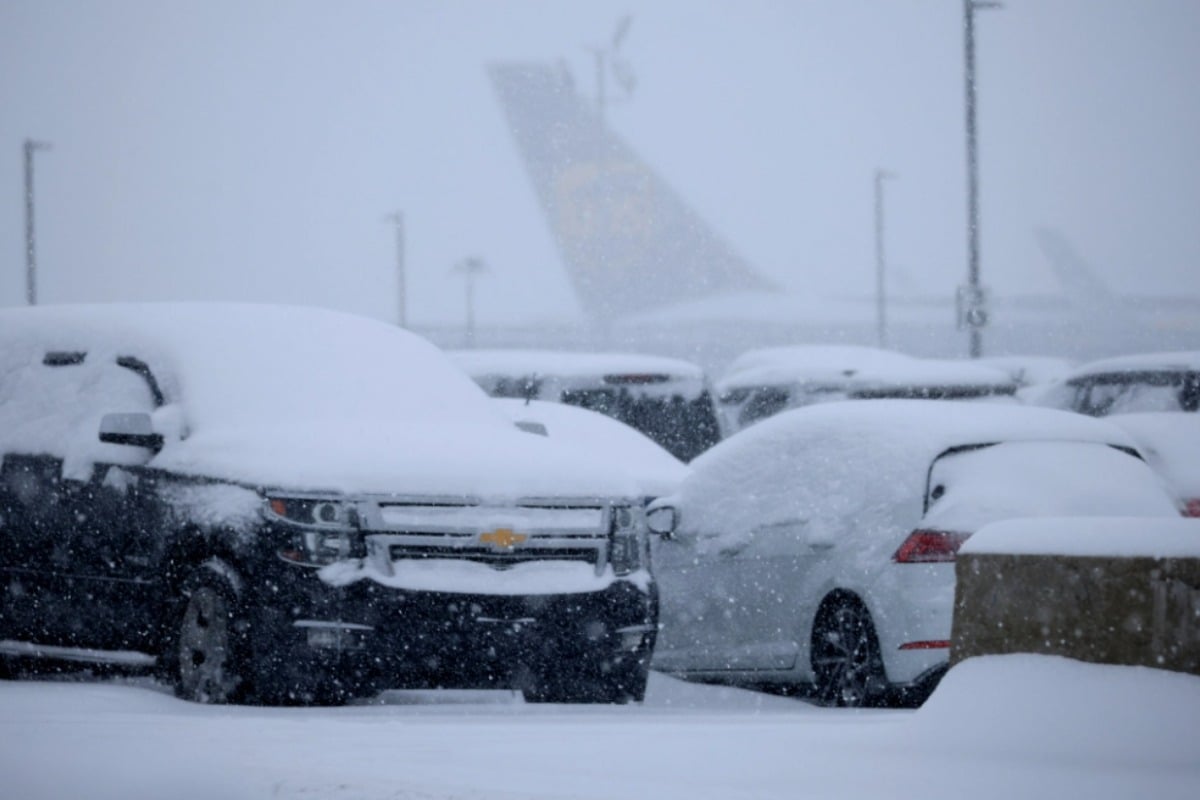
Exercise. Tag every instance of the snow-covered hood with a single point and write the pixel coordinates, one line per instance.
(489, 462)
(605, 440)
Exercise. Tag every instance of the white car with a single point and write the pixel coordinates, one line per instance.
(815, 550)
(1149, 382)
(668, 399)
(765, 381)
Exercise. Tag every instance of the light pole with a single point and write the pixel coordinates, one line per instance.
(398, 220)
(471, 268)
(30, 239)
(972, 302)
(880, 284)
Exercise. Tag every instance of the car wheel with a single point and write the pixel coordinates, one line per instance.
(207, 658)
(845, 656)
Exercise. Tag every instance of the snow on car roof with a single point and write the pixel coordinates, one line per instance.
(302, 398)
(602, 438)
(229, 357)
(561, 363)
(852, 365)
(1177, 360)
(867, 453)
(1028, 370)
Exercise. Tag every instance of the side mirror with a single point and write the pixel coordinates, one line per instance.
(136, 430)
(662, 521)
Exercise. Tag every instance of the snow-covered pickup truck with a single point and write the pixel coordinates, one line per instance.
(286, 505)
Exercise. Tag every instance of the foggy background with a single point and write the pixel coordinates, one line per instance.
(251, 150)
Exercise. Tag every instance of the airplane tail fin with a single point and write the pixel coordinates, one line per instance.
(1084, 288)
(626, 238)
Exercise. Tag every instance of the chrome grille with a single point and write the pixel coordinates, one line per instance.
(499, 536)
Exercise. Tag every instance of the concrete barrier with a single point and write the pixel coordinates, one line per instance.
(1104, 590)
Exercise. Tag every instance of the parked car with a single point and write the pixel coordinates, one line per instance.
(283, 505)
(1170, 443)
(1128, 384)
(815, 550)
(1028, 371)
(763, 382)
(602, 439)
(667, 399)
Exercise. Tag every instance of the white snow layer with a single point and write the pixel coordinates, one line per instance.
(863, 460)
(292, 397)
(1121, 537)
(600, 438)
(998, 728)
(1170, 442)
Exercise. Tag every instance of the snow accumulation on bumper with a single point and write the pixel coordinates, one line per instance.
(454, 576)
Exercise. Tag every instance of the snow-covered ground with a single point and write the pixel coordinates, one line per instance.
(1000, 727)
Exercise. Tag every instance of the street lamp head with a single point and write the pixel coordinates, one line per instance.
(470, 265)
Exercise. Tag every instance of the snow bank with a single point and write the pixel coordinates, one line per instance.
(1047, 710)
(997, 728)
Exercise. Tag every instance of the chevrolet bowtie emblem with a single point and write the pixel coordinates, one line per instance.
(502, 538)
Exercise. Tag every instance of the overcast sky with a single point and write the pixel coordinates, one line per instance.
(250, 150)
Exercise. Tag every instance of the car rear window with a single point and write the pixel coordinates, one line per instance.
(971, 486)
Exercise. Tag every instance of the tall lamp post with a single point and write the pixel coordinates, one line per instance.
(470, 268)
(880, 283)
(397, 219)
(972, 302)
(30, 239)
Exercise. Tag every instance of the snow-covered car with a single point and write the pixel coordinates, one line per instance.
(815, 550)
(277, 505)
(1149, 382)
(1170, 443)
(602, 439)
(668, 399)
(1027, 370)
(768, 380)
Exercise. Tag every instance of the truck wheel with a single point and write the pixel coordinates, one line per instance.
(206, 653)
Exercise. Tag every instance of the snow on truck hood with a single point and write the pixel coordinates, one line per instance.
(301, 398)
(486, 461)
(603, 439)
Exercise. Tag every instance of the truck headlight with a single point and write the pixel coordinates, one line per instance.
(325, 529)
(627, 552)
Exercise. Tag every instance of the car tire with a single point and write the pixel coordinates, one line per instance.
(206, 653)
(846, 659)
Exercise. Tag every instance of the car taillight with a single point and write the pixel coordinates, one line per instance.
(929, 546)
(1192, 507)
